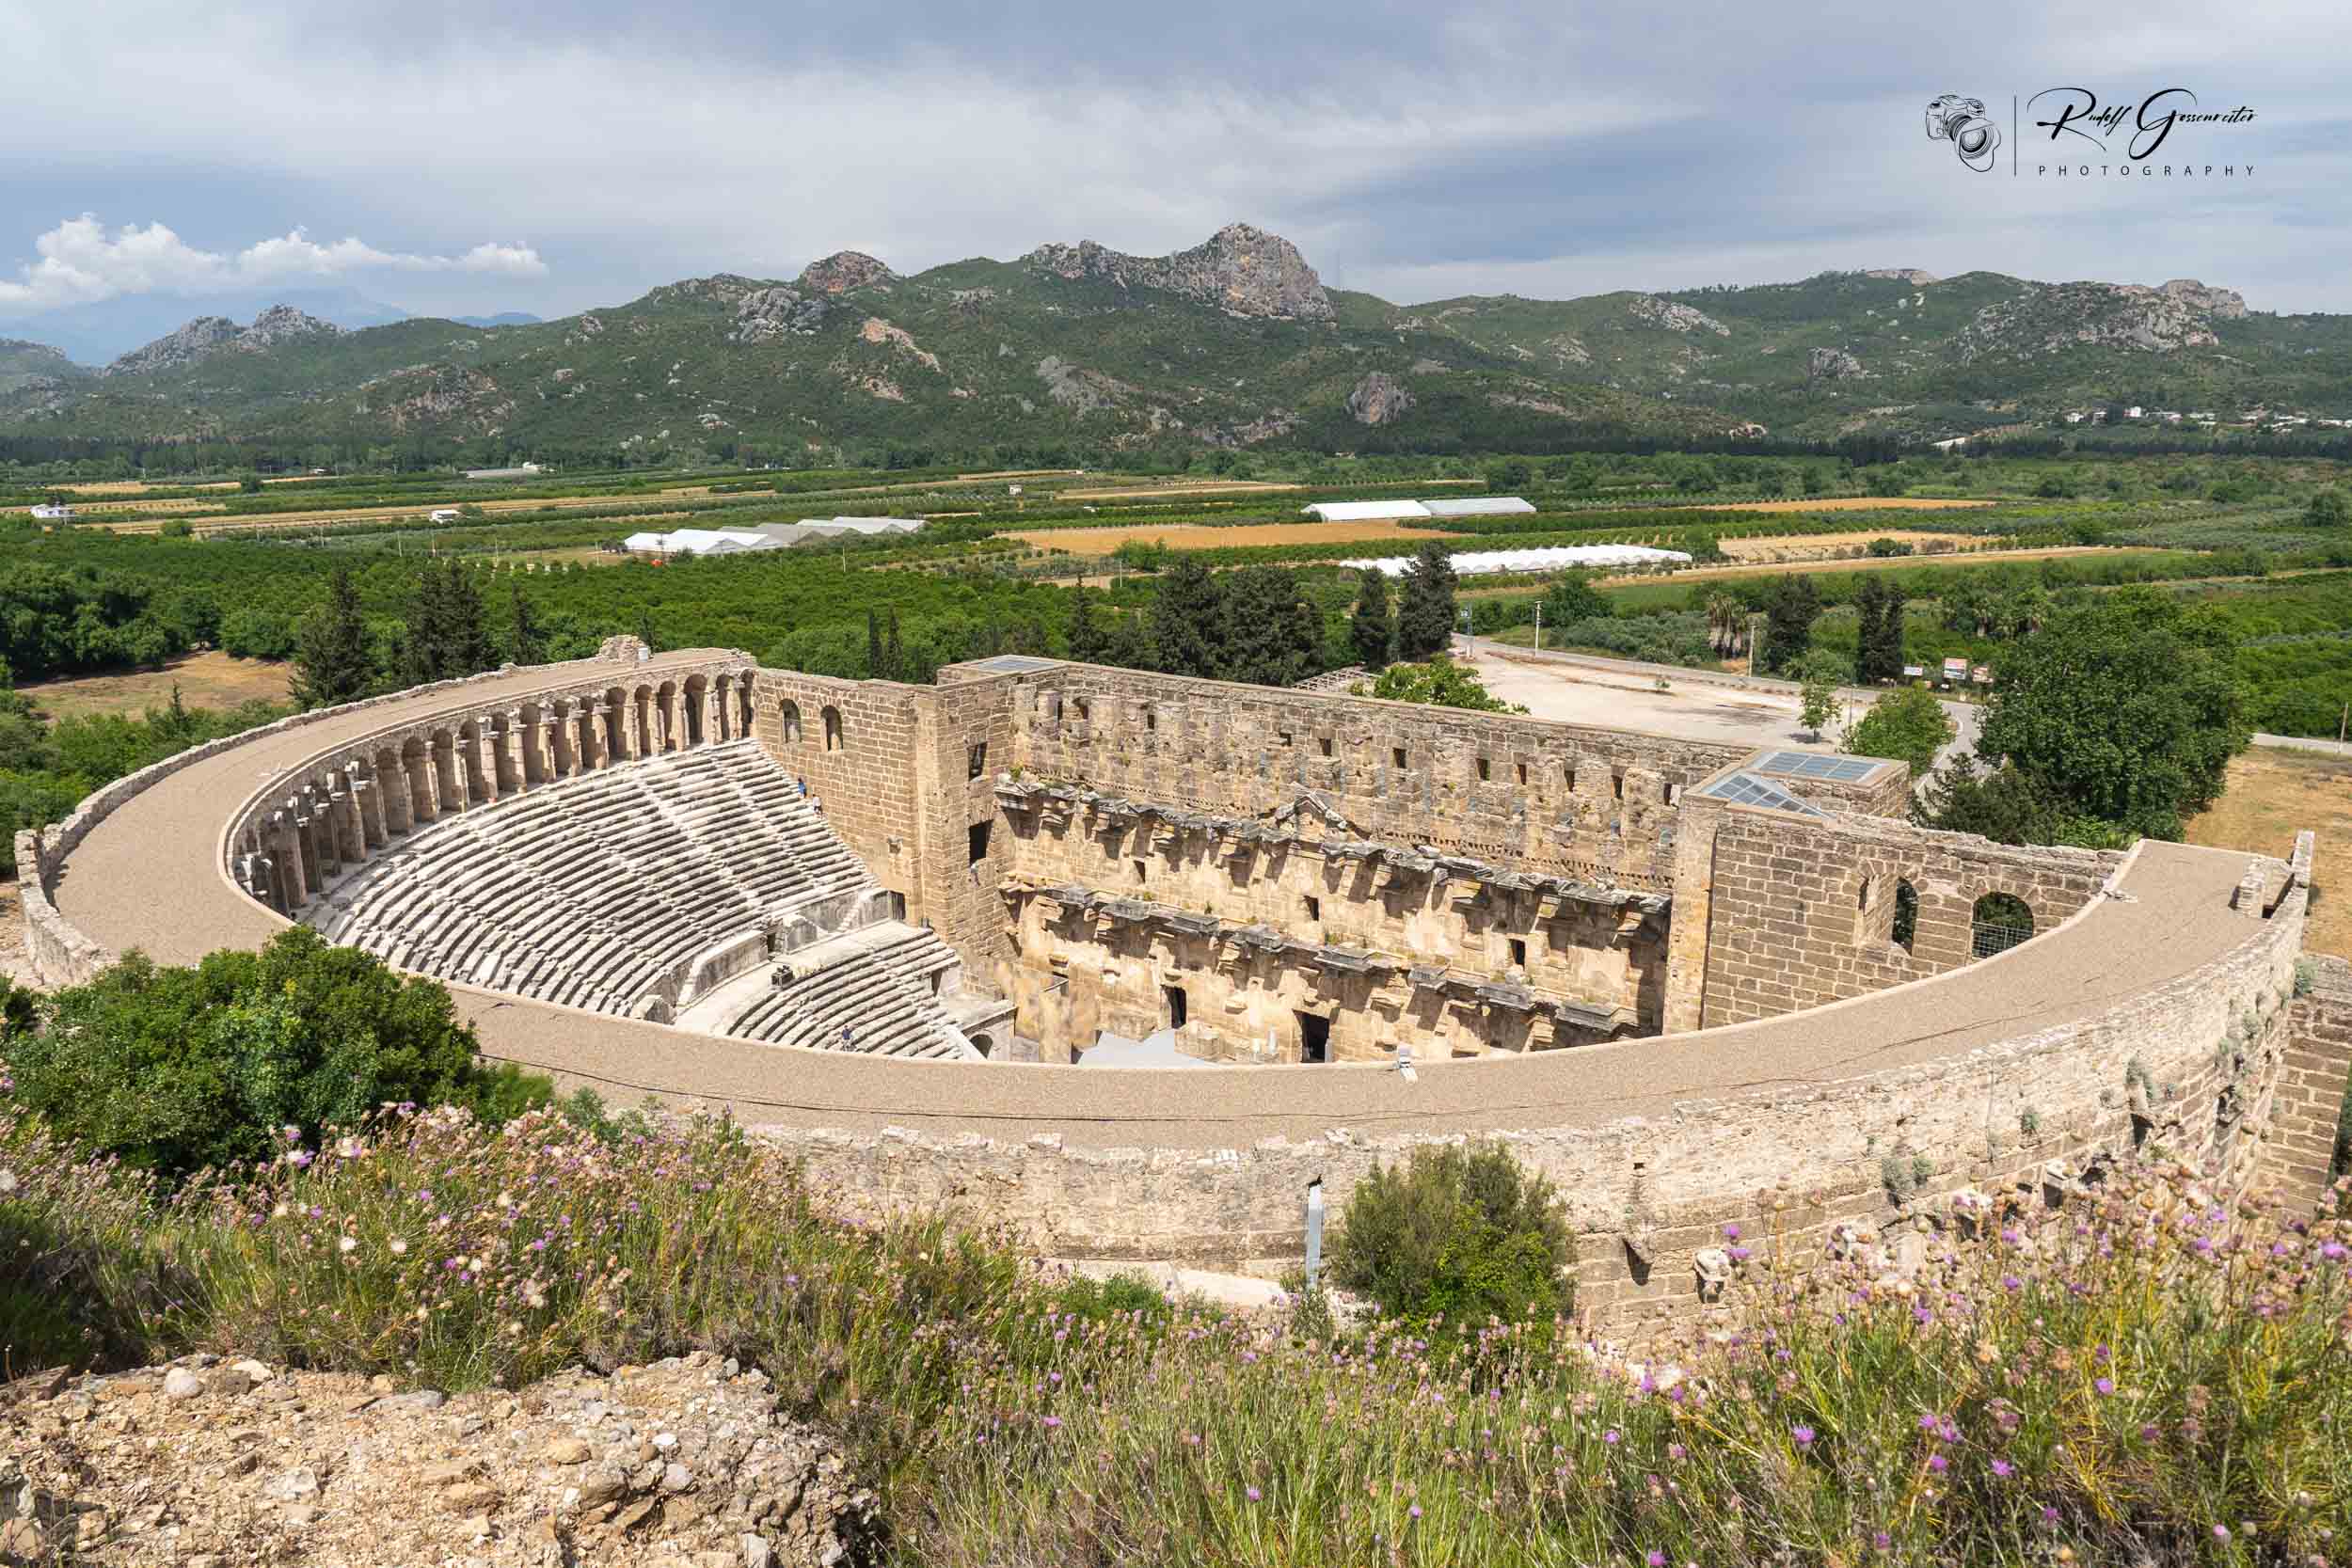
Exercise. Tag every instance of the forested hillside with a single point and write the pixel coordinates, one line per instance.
(1232, 344)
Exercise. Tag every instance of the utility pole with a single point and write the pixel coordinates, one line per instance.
(1539, 626)
(2341, 718)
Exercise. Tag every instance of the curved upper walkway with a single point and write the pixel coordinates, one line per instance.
(152, 876)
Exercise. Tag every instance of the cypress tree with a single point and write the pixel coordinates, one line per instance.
(1371, 629)
(1187, 624)
(1086, 633)
(1789, 622)
(331, 662)
(873, 646)
(893, 653)
(1890, 654)
(529, 641)
(1424, 622)
(468, 649)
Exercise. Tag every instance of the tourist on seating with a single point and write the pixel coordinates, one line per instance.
(849, 1042)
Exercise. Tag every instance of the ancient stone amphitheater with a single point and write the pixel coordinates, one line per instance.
(1128, 960)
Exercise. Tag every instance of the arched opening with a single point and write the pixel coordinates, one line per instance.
(788, 717)
(641, 720)
(695, 689)
(1906, 928)
(744, 705)
(1999, 922)
(832, 729)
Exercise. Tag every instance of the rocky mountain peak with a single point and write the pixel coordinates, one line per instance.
(1240, 269)
(845, 270)
(284, 323)
(186, 346)
(208, 335)
(2227, 304)
(1912, 275)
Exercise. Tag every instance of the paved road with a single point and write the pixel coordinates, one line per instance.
(1681, 713)
(149, 876)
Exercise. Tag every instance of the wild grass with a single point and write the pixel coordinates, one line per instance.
(2147, 1373)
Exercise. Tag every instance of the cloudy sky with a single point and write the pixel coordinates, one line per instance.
(469, 156)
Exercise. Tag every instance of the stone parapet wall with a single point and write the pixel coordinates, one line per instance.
(1551, 796)
(2159, 1073)
(1801, 911)
(2299, 1157)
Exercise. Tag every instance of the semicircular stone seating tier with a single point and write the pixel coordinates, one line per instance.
(618, 850)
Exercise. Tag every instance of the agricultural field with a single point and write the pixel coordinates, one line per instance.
(2274, 794)
(1853, 504)
(1210, 537)
(1804, 547)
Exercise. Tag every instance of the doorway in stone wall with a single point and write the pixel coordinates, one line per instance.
(1314, 1037)
(1174, 997)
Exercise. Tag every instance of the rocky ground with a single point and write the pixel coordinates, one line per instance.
(221, 1464)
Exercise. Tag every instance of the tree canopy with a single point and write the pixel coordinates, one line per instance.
(2124, 709)
(1425, 623)
(175, 1069)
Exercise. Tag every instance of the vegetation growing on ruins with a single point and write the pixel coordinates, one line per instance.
(1908, 725)
(1452, 1238)
(2149, 1372)
(1440, 681)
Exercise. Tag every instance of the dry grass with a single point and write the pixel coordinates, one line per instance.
(205, 680)
(1200, 536)
(2275, 794)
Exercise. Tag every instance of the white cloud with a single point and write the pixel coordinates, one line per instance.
(80, 262)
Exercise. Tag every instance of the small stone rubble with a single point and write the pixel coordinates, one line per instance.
(221, 1463)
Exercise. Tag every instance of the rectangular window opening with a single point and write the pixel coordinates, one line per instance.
(1396, 756)
(976, 760)
(975, 843)
(1519, 951)
(1327, 745)
(1486, 769)
(1138, 868)
(1314, 906)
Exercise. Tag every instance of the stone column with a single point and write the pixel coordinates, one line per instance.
(294, 886)
(449, 794)
(528, 736)
(365, 791)
(393, 801)
(563, 741)
(508, 742)
(306, 831)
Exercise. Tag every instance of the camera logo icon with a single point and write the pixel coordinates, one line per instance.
(1961, 121)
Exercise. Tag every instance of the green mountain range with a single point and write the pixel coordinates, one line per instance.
(1234, 343)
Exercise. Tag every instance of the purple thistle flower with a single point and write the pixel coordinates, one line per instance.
(1610, 1436)
(1254, 1493)
(2003, 1469)
(1937, 1463)
(1804, 1436)
(1414, 1512)
(1655, 1558)
(2104, 1385)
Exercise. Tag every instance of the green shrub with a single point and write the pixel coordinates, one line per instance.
(1455, 1234)
(174, 1070)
